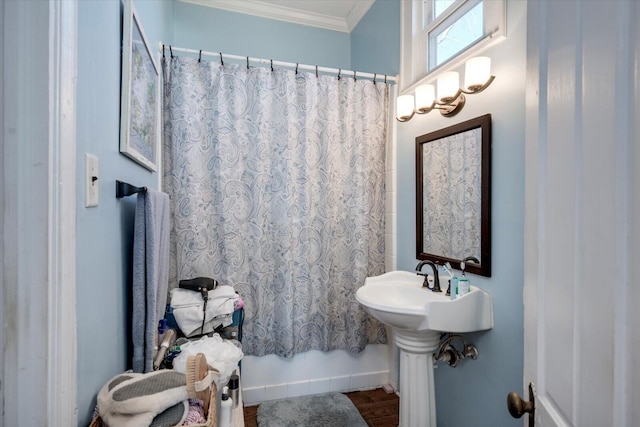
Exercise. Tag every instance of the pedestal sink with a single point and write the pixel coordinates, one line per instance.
(417, 316)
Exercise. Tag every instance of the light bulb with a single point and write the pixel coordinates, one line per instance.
(404, 107)
(425, 95)
(448, 85)
(477, 72)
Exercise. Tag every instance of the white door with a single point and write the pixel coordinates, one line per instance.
(582, 220)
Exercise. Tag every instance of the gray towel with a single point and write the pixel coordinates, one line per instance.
(150, 275)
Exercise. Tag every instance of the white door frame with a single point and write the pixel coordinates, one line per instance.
(38, 232)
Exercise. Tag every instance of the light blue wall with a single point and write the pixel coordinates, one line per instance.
(214, 30)
(375, 42)
(475, 392)
(104, 233)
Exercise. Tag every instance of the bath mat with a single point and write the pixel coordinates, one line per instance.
(320, 410)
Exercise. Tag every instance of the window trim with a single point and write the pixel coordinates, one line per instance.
(414, 38)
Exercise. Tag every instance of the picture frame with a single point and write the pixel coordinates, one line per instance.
(140, 94)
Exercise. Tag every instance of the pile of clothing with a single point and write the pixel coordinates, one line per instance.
(161, 398)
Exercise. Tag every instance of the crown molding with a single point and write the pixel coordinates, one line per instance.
(292, 15)
(360, 8)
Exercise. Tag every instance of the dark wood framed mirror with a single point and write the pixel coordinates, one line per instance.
(453, 195)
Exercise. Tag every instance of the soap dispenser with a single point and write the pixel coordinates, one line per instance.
(464, 286)
(226, 406)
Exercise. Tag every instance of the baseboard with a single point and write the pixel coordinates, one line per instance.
(345, 383)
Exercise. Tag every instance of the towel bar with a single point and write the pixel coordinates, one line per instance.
(124, 189)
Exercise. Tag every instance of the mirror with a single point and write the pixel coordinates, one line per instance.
(453, 195)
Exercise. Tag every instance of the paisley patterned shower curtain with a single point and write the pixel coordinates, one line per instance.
(277, 183)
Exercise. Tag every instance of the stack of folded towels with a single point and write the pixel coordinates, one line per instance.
(189, 314)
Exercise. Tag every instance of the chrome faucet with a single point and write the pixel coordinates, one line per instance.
(436, 278)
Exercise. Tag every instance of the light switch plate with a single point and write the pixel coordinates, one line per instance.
(91, 181)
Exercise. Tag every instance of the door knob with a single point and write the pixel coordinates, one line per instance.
(518, 406)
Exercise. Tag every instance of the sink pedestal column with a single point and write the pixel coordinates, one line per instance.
(417, 393)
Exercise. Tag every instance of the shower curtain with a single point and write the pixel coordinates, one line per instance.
(277, 184)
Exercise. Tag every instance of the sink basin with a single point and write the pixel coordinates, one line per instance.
(417, 317)
(398, 299)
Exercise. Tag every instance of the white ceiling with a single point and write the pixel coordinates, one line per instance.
(337, 15)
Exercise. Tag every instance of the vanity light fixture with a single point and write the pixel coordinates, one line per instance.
(450, 99)
(404, 107)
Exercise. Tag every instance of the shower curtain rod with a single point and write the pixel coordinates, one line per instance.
(339, 72)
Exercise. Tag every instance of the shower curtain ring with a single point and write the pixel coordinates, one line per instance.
(200, 56)
(316, 71)
(339, 71)
(374, 78)
(271, 65)
(247, 62)
(296, 68)
(385, 79)
(163, 50)
(354, 76)
(171, 51)
(221, 61)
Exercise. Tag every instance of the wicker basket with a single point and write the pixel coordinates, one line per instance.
(97, 422)
(211, 415)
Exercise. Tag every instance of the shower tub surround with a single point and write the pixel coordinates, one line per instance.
(270, 377)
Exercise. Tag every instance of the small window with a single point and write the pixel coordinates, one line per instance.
(454, 35)
(439, 32)
(440, 6)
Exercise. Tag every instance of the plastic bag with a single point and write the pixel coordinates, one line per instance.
(221, 354)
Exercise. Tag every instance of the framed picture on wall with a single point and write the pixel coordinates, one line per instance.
(140, 94)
